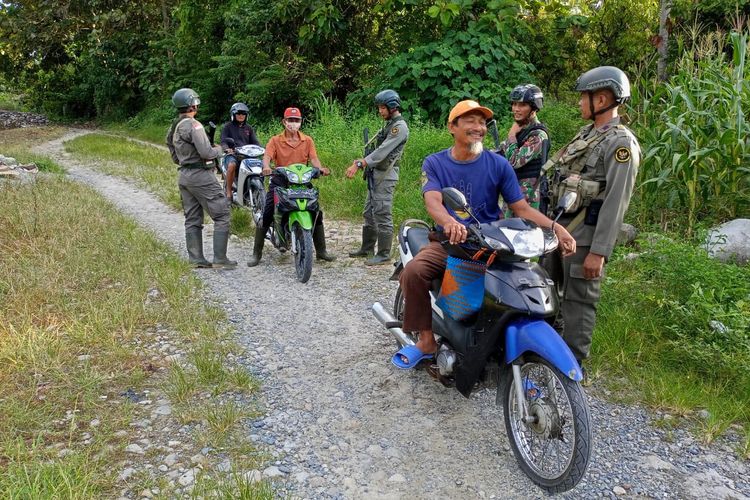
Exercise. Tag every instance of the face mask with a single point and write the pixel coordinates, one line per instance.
(292, 126)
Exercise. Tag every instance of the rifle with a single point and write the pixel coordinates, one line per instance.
(211, 135)
(492, 127)
(367, 174)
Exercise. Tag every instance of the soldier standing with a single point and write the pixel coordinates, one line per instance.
(380, 166)
(200, 191)
(527, 145)
(600, 164)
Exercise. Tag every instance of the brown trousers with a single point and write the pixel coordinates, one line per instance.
(416, 282)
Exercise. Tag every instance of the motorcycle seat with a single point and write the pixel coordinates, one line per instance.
(417, 238)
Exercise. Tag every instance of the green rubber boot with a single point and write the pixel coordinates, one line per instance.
(369, 238)
(385, 239)
(221, 240)
(194, 242)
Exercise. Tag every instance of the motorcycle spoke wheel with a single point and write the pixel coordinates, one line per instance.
(258, 195)
(303, 259)
(555, 449)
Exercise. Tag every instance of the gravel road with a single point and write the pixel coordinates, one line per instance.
(342, 422)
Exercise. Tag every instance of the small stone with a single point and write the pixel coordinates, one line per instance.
(84, 357)
(187, 478)
(171, 459)
(163, 468)
(301, 477)
(125, 475)
(121, 434)
(198, 459)
(224, 466)
(397, 478)
(94, 423)
(253, 476)
(134, 448)
(272, 471)
(163, 410)
(619, 491)
(64, 452)
(146, 494)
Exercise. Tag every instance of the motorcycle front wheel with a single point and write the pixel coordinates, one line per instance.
(303, 259)
(258, 197)
(554, 449)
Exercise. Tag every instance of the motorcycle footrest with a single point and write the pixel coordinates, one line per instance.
(394, 324)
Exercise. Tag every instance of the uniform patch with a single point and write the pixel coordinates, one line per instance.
(424, 178)
(394, 130)
(622, 155)
(197, 125)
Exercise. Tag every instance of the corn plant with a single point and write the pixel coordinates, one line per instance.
(695, 134)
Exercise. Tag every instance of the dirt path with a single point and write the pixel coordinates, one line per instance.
(342, 422)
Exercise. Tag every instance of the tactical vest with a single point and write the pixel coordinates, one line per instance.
(571, 165)
(533, 168)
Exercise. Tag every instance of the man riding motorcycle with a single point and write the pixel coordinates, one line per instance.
(238, 130)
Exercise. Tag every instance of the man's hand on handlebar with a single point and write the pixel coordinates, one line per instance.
(267, 171)
(456, 232)
(567, 243)
(325, 170)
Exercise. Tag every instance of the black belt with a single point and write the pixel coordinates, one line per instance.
(196, 165)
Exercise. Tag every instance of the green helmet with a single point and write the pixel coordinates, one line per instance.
(605, 77)
(388, 98)
(184, 98)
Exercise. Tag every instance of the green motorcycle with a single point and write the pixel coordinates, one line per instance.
(295, 207)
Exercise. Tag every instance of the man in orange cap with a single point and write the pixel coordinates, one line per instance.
(483, 177)
(290, 146)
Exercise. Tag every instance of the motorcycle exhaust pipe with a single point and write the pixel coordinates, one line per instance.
(387, 319)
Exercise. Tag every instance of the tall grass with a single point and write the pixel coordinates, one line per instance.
(695, 132)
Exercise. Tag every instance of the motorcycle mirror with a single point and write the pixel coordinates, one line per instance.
(567, 200)
(454, 199)
(230, 142)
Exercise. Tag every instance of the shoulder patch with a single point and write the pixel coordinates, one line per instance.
(394, 130)
(424, 178)
(622, 155)
(197, 125)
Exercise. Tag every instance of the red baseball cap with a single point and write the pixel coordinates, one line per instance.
(292, 113)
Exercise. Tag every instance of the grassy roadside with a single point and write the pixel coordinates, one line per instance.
(90, 301)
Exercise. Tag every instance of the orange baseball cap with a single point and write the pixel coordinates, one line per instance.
(292, 113)
(466, 106)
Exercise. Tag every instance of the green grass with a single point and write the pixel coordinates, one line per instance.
(654, 329)
(74, 280)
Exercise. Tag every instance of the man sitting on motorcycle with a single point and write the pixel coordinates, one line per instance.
(288, 147)
(483, 177)
(242, 134)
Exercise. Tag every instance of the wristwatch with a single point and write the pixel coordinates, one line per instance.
(359, 164)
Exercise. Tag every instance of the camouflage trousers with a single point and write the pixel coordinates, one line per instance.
(530, 190)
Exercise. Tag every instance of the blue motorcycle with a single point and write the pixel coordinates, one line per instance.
(496, 312)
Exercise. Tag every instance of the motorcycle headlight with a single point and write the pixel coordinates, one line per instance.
(496, 244)
(292, 177)
(307, 176)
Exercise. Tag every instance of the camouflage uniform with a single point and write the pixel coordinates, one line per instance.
(534, 147)
(601, 165)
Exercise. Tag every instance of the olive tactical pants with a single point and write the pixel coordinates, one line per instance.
(579, 299)
(201, 192)
(378, 211)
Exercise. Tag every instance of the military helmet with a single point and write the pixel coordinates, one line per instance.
(388, 98)
(605, 77)
(528, 93)
(238, 107)
(184, 98)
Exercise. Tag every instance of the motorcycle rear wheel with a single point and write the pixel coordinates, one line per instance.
(303, 259)
(554, 451)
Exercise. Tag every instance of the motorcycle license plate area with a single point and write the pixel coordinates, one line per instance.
(286, 199)
(254, 166)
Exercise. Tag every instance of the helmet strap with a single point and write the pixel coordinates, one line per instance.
(594, 114)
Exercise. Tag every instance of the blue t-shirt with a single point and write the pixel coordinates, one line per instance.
(482, 180)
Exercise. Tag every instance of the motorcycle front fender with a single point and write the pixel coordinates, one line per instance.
(537, 336)
(303, 218)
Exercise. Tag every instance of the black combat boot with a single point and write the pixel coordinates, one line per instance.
(194, 241)
(260, 239)
(385, 238)
(319, 240)
(221, 239)
(369, 237)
